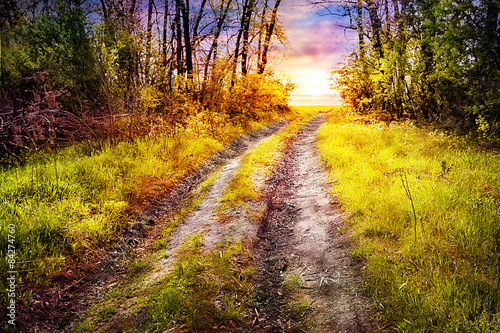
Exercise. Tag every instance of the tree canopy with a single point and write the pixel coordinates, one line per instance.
(431, 60)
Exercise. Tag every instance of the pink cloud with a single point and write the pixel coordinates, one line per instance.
(316, 46)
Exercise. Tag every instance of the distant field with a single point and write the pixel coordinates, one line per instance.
(315, 108)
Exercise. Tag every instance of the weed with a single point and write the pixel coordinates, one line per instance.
(82, 327)
(233, 310)
(105, 313)
(299, 309)
(292, 281)
(139, 266)
(406, 186)
(312, 323)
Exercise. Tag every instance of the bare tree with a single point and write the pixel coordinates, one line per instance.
(269, 33)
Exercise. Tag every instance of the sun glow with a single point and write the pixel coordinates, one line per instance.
(316, 45)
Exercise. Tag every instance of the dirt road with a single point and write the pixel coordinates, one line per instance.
(300, 243)
(304, 281)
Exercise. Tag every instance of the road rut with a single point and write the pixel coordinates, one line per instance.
(299, 240)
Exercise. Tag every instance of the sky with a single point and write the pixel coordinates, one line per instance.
(317, 45)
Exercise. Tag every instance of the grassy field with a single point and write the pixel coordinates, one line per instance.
(65, 206)
(424, 211)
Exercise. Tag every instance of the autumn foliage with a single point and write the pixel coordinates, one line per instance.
(112, 70)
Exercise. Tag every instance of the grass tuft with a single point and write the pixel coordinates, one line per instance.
(203, 291)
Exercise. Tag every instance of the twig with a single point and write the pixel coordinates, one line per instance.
(406, 186)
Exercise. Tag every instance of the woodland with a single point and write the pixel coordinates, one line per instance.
(436, 61)
(87, 70)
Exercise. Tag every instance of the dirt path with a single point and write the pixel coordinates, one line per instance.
(304, 281)
(300, 245)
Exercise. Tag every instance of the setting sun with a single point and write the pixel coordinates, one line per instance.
(316, 45)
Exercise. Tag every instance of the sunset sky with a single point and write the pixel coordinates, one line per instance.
(316, 47)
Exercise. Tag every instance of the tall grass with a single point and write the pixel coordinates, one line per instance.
(84, 203)
(447, 280)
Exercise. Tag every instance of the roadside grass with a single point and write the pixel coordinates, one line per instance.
(447, 280)
(130, 295)
(65, 206)
(205, 291)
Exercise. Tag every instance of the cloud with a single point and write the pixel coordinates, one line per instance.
(316, 45)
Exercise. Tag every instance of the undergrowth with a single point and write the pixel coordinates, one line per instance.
(447, 280)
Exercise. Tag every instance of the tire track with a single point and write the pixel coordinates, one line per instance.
(298, 237)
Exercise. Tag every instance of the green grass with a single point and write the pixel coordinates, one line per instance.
(205, 291)
(448, 279)
(72, 203)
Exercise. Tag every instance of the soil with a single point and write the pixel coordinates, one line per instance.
(296, 242)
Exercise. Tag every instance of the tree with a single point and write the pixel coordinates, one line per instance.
(269, 33)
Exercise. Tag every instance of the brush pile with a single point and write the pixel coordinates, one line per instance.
(39, 123)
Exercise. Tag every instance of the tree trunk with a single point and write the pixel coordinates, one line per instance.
(270, 31)
(198, 20)
(218, 29)
(360, 30)
(247, 16)
(187, 37)
(262, 30)
(105, 12)
(376, 27)
(492, 33)
(148, 40)
(164, 39)
(178, 36)
(238, 41)
(132, 10)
